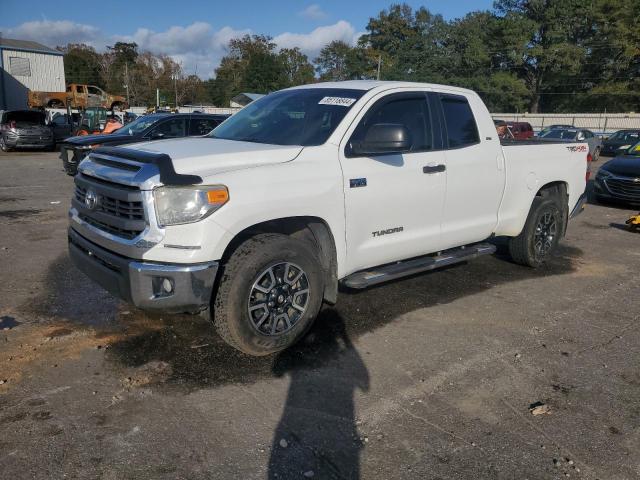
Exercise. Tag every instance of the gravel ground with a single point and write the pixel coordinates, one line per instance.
(436, 376)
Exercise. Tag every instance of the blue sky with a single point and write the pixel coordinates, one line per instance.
(195, 32)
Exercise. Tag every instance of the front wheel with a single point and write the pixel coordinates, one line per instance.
(3, 145)
(540, 235)
(269, 295)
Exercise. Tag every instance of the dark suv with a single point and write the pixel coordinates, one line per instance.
(157, 126)
(24, 128)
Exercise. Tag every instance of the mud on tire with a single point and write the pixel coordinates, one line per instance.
(266, 277)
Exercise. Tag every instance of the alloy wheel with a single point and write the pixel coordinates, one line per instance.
(278, 298)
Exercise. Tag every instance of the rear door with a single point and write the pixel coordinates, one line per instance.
(95, 97)
(199, 126)
(393, 202)
(170, 128)
(475, 171)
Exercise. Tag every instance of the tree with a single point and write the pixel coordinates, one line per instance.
(340, 61)
(543, 40)
(296, 67)
(81, 64)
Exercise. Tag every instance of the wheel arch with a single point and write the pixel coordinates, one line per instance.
(559, 189)
(311, 229)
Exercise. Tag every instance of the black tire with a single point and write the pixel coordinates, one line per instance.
(526, 248)
(238, 281)
(3, 145)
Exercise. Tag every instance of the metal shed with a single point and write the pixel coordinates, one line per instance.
(24, 66)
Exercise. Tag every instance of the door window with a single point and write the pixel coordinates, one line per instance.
(94, 90)
(202, 126)
(409, 110)
(79, 89)
(460, 123)
(170, 128)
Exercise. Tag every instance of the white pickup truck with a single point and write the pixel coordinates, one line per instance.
(354, 182)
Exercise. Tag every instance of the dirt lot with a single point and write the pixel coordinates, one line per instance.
(429, 377)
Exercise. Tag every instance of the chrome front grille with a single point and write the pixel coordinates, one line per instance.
(627, 188)
(110, 207)
(114, 206)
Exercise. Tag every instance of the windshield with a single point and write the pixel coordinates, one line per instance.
(561, 134)
(302, 117)
(626, 137)
(139, 125)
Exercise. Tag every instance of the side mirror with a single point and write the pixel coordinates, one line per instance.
(383, 138)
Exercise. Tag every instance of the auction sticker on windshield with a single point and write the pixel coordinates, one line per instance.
(340, 101)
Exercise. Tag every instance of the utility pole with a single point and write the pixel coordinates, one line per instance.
(126, 79)
(175, 87)
(379, 65)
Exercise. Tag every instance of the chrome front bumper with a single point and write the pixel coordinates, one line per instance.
(144, 284)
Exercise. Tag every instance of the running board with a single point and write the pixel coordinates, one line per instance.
(367, 278)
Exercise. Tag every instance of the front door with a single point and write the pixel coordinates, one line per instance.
(393, 202)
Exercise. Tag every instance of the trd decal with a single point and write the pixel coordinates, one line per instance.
(578, 148)
(389, 231)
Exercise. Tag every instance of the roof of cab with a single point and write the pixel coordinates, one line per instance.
(381, 85)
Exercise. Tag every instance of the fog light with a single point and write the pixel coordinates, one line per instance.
(167, 286)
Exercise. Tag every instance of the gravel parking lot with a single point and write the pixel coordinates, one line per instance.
(435, 376)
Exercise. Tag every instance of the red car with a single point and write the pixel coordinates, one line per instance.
(521, 130)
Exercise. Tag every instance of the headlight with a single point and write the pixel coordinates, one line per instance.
(177, 205)
(624, 147)
(603, 173)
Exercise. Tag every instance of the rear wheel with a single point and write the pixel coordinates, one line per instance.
(541, 233)
(269, 294)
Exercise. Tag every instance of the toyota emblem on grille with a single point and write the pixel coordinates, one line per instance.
(91, 200)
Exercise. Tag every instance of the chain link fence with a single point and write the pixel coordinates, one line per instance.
(601, 124)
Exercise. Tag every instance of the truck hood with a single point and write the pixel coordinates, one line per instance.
(206, 156)
(99, 139)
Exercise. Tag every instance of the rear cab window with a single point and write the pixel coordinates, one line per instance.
(460, 125)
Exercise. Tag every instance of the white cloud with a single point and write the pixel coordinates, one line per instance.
(311, 43)
(198, 47)
(313, 12)
(54, 33)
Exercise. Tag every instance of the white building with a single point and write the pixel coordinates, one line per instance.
(27, 66)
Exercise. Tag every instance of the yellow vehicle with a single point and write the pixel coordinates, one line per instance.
(634, 223)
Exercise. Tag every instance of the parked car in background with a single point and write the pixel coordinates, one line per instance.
(520, 130)
(575, 135)
(553, 127)
(77, 96)
(619, 142)
(25, 129)
(619, 179)
(157, 126)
